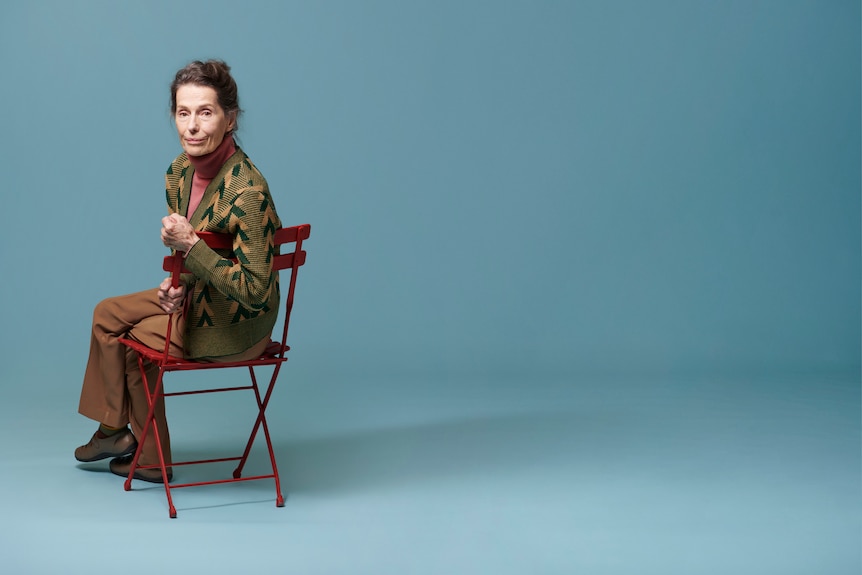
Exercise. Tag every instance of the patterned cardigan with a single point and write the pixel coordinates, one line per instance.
(234, 296)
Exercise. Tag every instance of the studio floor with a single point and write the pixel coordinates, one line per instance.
(698, 475)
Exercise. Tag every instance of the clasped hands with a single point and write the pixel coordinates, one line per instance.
(179, 235)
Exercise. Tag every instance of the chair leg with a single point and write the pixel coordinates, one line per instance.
(151, 423)
(279, 497)
(151, 427)
(127, 485)
(261, 421)
(237, 473)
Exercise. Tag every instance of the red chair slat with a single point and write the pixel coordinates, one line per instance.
(217, 241)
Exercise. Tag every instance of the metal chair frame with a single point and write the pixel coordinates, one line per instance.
(274, 355)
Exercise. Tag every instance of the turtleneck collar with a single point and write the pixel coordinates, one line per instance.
(207, 166)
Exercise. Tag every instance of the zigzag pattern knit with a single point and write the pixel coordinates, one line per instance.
(234, 296)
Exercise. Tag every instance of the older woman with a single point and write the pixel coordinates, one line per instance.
(226, 308)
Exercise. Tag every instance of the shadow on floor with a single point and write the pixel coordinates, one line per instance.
(383, 458)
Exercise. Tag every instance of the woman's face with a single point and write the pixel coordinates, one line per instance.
(201, 122)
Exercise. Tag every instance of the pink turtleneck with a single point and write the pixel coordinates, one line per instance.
(206, 168)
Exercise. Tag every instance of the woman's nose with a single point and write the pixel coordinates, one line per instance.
(193, 124)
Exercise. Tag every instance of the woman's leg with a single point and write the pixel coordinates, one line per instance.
(113, 392)
(151, 332)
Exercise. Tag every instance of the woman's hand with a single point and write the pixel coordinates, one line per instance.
(171, 298)
(177, 233)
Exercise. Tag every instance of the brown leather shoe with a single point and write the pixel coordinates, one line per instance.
(121, 466)
(121, 443)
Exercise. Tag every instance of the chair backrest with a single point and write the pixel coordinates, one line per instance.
(292, 260)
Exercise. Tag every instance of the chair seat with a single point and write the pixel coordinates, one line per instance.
(269, 356)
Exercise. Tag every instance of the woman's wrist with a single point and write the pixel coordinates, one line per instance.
(195, 239)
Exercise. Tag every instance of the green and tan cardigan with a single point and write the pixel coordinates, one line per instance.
(234, 296)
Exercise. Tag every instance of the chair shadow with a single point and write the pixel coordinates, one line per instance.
(412, 454)
(479, 447)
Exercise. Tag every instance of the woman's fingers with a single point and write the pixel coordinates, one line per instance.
(170, 298)
(177, 233)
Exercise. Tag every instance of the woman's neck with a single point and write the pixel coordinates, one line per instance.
(207, 166)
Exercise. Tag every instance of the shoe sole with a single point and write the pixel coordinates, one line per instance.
(140, 477)
(151, 480)
(129, 450)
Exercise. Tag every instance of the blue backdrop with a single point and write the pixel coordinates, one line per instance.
(583, 288)
(495, 187)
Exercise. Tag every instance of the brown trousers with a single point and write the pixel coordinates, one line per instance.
(113, 391)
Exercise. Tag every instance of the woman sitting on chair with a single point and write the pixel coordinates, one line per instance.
(225, 309)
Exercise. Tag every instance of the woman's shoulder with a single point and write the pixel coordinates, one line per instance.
(179, 166)
(181, 160)
(240, 172)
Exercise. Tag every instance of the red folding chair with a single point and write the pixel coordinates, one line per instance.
(274, 355)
